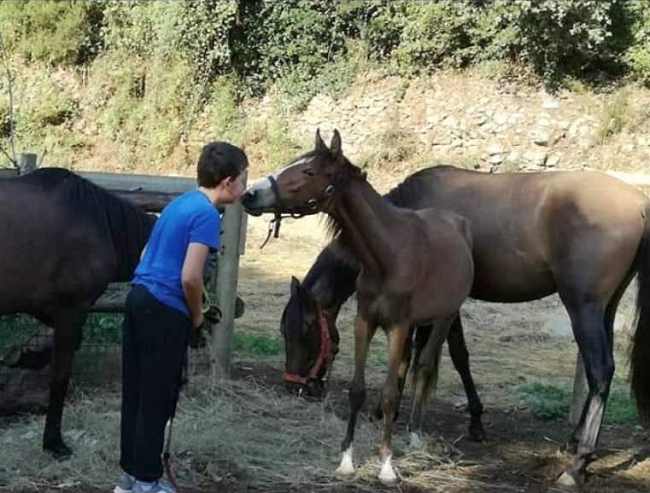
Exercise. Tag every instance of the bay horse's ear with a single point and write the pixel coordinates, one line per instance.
(320, 145)
(335, 145)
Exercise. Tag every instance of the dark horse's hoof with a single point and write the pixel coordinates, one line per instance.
(477, 433)
(59, 450)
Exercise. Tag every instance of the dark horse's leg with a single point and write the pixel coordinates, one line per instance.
(460, 358)
(588, 320)
(363, 334)
(67, 336)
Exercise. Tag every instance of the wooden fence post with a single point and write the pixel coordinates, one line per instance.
(28, 163)
(234, 231)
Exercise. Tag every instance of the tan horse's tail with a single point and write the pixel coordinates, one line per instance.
(640, 357)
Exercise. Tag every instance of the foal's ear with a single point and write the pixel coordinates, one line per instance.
(335, 145)
(320, 145)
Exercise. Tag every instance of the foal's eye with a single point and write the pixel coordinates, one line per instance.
(308, 172)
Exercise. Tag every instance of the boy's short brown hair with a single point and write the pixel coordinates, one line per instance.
(218, 161)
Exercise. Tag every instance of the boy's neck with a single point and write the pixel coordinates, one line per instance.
(212, 194)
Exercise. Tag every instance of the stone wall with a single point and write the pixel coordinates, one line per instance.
(478, 122)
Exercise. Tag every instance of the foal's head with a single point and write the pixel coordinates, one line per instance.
(307, 185)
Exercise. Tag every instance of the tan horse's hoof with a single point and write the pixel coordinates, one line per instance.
(567, 480)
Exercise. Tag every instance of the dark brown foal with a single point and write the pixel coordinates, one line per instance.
(416, 269)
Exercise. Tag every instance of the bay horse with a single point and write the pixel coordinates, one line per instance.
(424, 278)
(64, 239)
(581, 234)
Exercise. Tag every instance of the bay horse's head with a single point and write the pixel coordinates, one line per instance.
(309, 347)
(307, 185)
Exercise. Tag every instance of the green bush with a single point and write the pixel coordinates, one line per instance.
(53, 32)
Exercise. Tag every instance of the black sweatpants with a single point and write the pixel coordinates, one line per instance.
(155, 341)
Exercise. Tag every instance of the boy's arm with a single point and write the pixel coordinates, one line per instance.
(192, 280)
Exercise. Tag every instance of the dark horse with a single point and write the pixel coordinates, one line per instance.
(64, 239)
(423, 279)
(581, 234)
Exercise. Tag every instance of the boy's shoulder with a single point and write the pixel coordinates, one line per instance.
(190, 203)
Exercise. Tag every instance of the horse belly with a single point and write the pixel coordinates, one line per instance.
(512, 282)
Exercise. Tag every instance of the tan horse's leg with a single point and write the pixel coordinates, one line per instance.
(363, 334)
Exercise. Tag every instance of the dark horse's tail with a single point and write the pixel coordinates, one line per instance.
(641, 343)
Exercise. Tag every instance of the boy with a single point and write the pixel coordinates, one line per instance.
(164, 304)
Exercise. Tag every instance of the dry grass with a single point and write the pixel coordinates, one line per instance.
(237, 432)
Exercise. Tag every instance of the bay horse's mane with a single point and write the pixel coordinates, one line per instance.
(117, 220)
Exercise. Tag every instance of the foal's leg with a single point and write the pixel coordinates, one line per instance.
(363, 334)
(595, 346)
(460, 358)
(67, 336)
(397, 337)
(403, 369)
(425, 374)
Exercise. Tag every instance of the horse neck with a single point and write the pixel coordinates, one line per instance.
(331, 280)
(367, 222)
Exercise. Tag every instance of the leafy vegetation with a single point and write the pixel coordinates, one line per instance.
(551, 402)
(153, 77)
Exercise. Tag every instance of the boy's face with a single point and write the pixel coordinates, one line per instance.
(232, 188)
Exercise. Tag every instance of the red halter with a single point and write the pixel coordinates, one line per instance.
(325, 357)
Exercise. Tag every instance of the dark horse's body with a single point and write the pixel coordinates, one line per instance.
(581, 234)
(63, 240)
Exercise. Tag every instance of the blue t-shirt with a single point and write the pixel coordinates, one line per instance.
(190, 218)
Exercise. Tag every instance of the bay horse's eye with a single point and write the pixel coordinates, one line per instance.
(308, 172)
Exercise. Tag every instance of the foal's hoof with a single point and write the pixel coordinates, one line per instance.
(568, 480)
(60, 451)
(387, 476)
(346, 468)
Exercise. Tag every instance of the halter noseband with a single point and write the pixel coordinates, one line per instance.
(274, 225)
